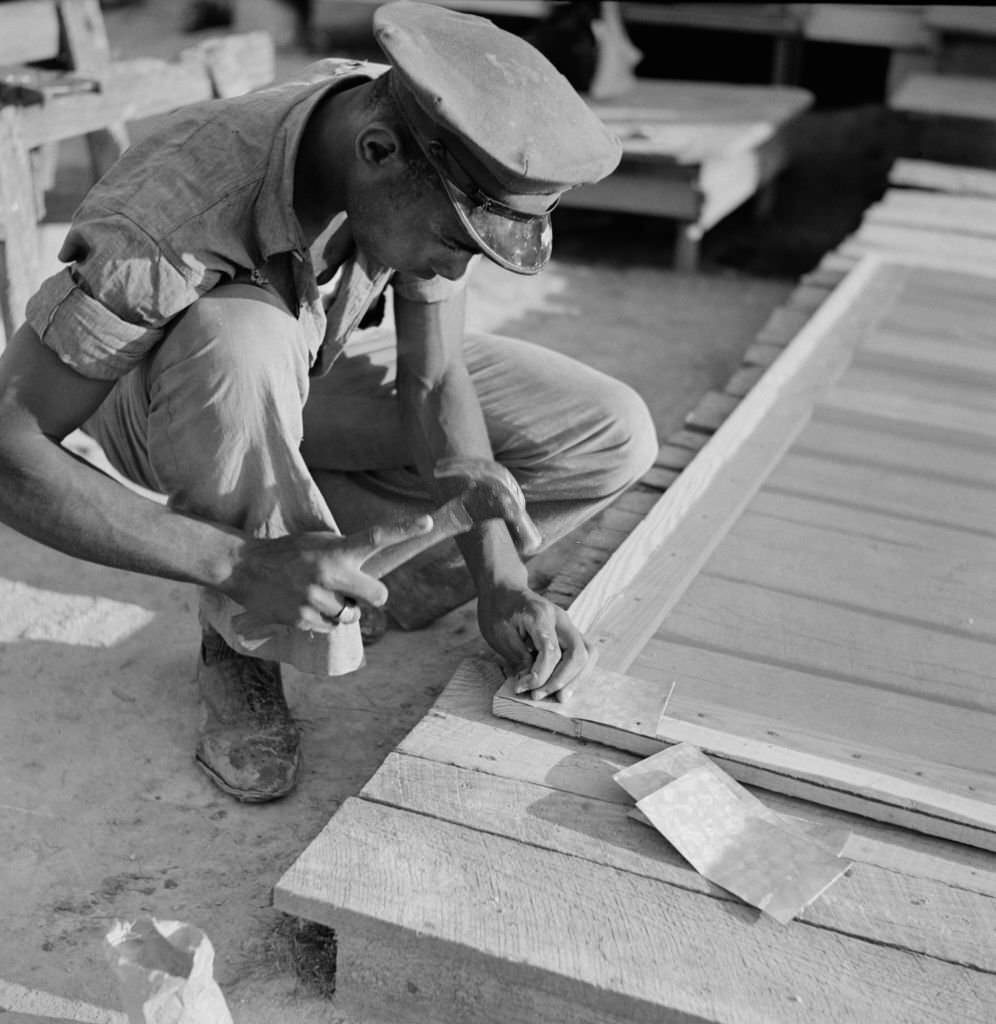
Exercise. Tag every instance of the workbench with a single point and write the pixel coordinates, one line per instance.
(693, 152)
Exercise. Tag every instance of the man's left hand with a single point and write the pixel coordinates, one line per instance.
(538, 641)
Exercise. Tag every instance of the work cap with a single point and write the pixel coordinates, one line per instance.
(504, 129)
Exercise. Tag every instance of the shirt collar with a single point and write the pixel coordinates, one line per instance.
(277, 229)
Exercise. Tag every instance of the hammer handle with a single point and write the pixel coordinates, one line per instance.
(447, 521)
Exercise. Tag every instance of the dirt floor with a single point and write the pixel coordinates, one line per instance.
(103, 814)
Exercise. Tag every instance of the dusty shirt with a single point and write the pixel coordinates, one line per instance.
(205, 199)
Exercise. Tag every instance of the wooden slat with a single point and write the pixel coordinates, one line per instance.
(712, 409)
(485, 897)
(927, 174)
(946, 95)
(867, 440)
(728, 471)
(884, 906)
(971, 19)
(776, 701)
(743, 380)
(816, 562)
(29, 31)
(915, 241)
(837, 640)
(965, 215)
(18, 238)
(948, 358)
(945, 385)
(966, 424)
(956, 506)
(762, 355)
(783, 325)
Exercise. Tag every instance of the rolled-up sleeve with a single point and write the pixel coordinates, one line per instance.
(433, 289)
(105, 311)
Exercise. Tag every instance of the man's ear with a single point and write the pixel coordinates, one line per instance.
(378, 146)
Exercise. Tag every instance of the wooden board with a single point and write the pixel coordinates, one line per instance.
(958, 96)
(927, 174)
(806, 549)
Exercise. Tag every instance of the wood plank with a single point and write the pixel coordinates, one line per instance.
(947, 96)
(722, 479)
(488, 898)
(836, 640)
(971, 19)
(947, 418)
(896, 26)
(783, 325)
(19, 273)
(673, 456)
(710, 412)
(29, 31)
(965, 215)
(946, 358)
(903, 241)
(951, 591)
(861, 526)
(915, 384)
(928, 174)
(776, 700)
(868, 902)
(957, 506)
(866, 440)
(689, 439)
(743, 380)
(953, 300)
(762, 354)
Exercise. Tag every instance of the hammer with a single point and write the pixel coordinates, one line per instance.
(492, 493)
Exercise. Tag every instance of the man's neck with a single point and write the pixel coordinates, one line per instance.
(323, 160)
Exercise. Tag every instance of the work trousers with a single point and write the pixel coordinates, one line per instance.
(224, 420)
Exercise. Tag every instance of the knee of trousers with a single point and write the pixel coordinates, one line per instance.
(627, 446)
(237, 342)
(230, 380)
(609, 442)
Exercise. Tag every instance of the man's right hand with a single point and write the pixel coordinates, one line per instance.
(306, 580)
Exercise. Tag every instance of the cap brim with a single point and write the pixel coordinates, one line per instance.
(520, 244)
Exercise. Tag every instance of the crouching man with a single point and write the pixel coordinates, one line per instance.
(199, 332)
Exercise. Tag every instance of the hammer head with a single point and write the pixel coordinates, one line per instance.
(493, 493)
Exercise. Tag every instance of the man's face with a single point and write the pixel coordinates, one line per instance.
(412, 226)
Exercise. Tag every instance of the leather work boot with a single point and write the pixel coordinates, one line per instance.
(249, 745)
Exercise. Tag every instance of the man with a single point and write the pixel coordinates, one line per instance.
(189, 334)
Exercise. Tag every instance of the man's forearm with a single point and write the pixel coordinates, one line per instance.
(447, 422)
(49, 495)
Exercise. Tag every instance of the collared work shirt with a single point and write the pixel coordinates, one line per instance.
(204, 199)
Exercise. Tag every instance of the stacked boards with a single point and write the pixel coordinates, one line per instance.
(489, 871)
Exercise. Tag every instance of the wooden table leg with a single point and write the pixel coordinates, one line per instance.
(686, 248)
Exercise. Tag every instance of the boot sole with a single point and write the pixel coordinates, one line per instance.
(246, 796)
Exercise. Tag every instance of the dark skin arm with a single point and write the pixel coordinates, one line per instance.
(66, 504)
(536, 639)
